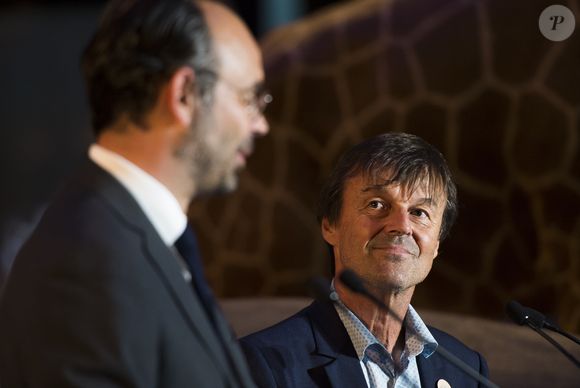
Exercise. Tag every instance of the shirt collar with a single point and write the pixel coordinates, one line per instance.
(418, 338)
(157, 202)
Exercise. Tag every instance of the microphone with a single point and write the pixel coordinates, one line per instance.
(320, 290)
(521, 315)
(536, 321)
(350, 279)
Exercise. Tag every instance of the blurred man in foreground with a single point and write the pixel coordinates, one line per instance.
(109, 290)
(386, 207)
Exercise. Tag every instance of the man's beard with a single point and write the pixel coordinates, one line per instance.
(209, 168)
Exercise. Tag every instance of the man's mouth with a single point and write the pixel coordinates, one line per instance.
(244, 152)
(395, 245)
(393, 249)
(241, 158)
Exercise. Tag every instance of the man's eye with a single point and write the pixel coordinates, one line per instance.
(248, 98)
(420, 213)
(376, 205)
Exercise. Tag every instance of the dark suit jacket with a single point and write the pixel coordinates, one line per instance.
(96, 299)
(313, 349)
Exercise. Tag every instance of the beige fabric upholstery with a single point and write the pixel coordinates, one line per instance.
(517, 356)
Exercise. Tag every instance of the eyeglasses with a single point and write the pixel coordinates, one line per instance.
(255, 98)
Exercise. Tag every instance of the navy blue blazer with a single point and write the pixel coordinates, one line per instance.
(313, 349)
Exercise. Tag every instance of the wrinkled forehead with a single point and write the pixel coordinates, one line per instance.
(424, 182)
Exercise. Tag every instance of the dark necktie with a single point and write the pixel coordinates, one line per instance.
(186, 245)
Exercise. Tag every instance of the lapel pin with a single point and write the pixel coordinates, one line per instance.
(441, 383)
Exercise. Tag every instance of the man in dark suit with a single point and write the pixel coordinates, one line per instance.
(106, 293)
(387, 205)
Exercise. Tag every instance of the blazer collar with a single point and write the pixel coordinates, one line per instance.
(334, 356)
(431, 369)
(159, 256)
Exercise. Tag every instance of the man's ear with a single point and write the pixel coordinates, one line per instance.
(436, 251)
(180, 96)
(329, 232)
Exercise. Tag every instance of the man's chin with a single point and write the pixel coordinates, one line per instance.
(226, 185)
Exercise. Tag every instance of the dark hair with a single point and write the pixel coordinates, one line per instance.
(138, 45)
(409, 158)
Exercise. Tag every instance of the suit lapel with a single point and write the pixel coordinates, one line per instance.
(431, 369)
(334, 361)
(426, 374)
(159, 256)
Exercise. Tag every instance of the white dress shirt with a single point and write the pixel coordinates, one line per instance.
(157, 202)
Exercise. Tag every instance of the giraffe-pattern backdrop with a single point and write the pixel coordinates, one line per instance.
(474, 78)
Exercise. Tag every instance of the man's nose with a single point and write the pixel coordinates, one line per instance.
(260, 126)
(398, 222)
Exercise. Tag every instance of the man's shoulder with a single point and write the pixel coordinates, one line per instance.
(291, 329)
(77, 210)
(459, 349)
(88, 203)
(80, 222)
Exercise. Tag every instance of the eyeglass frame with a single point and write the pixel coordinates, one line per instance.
(255, 98)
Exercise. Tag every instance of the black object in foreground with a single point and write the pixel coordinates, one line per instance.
(537, 321)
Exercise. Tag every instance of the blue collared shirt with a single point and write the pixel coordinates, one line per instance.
(376, 362)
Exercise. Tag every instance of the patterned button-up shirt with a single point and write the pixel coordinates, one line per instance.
(377, 364)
